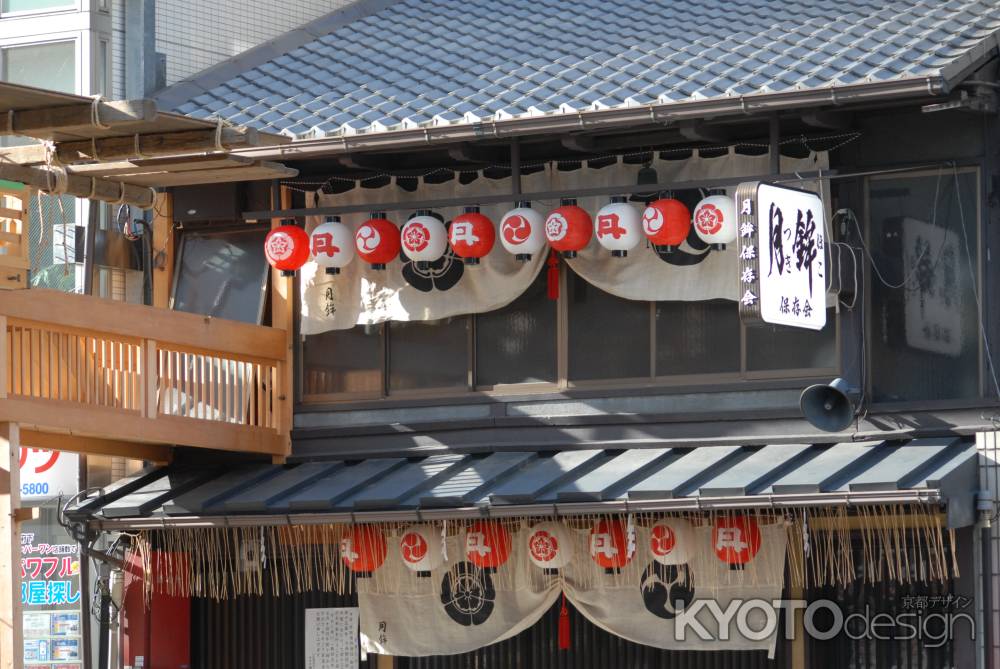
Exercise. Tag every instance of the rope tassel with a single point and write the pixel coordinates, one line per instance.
(564, 625)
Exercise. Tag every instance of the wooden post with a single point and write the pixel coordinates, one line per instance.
(4, 360)
(163, 241)
(282, 315)
(11, 641)
(150, 378)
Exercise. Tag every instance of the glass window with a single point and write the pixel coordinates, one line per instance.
(608, 336)
(775, 347)
(429, 354)
(697, 337)
(343, 361)
(517, 344)
(103, 68)
(51, 66)
(35, 5)
(924, 324)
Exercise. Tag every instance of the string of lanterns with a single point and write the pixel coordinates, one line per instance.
(611, 544)
(523, 232)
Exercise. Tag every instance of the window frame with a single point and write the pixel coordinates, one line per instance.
(563, 383)
(69, 6)
(977, 169)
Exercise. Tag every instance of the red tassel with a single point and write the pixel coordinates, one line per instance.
(564, 625)
(553, 275)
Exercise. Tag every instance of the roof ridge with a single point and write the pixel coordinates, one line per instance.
(184, 90)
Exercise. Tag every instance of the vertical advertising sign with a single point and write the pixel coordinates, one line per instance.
(782, 246)
(51, 597)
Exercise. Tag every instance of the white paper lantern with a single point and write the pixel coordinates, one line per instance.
(332, 245)
(522, 231)
(420, 548)
(424, 238)
(618, 227)
(715, 220)
(550, 545)
(671, 541)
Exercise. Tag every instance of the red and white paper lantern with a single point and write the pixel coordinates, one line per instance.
(471, 235)
(568, 229)
(287, 248)
(617, 227)
(420, 548)
(332, 245)
(715, 220)
(736, 539)
(671, 541)
(424, 238)
(550, 545)
(666, 223)
(522, 231)
(609, 544)
(377, 241)
(487, 544)
(363, 548)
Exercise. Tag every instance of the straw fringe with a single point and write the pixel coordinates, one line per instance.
(900, 543)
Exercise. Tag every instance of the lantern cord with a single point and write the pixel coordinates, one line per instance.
(849, 214)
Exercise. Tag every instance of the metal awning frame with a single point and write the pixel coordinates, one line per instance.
(750, 502)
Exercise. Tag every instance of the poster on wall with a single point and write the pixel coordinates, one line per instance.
(51, 594)
(933, 297)
(782, 251)
(46, 474)
(332, 638)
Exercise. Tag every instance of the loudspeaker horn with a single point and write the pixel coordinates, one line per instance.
(829, 407)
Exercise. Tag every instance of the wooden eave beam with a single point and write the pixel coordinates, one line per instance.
(700, 132)
(124, 168)
(44, 179)
(260, 171)
(56, 441)
(827, 120)
(579, 143)
(156, 144)
(45, 121)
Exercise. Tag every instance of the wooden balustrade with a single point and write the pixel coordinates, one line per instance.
(141, 373)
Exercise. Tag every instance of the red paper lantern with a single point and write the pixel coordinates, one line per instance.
(487, 544)
(377, 241)
(568, 229)
(609, 544)
(287, 248)
(736, 539)
(471, 235)
(363, 548)
(666, 223)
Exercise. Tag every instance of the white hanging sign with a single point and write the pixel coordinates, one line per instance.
(782, 251)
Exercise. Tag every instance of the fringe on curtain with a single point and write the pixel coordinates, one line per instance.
(825, 547)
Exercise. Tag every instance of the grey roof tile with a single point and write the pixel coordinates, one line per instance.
(610, 53)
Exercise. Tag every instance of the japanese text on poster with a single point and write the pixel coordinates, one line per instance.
(332, 638)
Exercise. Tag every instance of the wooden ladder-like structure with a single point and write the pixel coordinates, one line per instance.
(14, 258)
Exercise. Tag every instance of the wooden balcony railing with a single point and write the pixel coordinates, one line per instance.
(90, 367)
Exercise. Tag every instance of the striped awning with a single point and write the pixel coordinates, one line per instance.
(935, 471)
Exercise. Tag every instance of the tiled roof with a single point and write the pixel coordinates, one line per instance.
(783, 474)
(414, 63)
